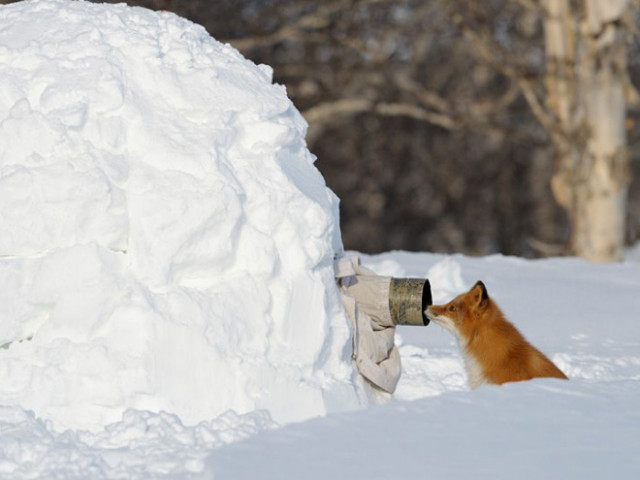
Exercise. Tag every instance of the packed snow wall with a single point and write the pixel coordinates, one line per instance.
(166, 242)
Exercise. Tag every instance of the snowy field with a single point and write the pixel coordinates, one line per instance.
(168, 306)
(585, 317)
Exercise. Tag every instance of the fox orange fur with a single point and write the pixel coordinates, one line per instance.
(494, 350)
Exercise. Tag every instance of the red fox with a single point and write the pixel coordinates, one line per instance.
(494, 350)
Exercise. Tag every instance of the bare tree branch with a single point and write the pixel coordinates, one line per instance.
(427, 97)
(489, 50)
(320, 115)
(480, 110)
(533, 5)
(328, 110)
(417, 113)
(302, 27)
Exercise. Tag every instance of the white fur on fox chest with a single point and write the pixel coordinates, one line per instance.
(475, 375)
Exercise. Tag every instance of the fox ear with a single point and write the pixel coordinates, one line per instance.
(480, 294)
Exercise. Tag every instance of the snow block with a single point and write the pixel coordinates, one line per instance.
(166, 242)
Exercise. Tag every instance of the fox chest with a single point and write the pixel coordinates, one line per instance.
(474, 370)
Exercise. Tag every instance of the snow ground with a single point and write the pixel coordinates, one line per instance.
(585, 317)
(540, 430)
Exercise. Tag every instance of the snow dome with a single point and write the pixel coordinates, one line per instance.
(166, 242)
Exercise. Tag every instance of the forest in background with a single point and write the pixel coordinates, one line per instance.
(428, 140)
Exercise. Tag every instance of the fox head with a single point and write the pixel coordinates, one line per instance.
(462, 315)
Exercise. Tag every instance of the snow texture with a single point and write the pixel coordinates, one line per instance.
(585, 317)
(167, 302)
(166, 242)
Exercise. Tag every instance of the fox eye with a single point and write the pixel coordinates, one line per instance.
(452, 308)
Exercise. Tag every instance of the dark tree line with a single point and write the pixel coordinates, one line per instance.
(420, 113)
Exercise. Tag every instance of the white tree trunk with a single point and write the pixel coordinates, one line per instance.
(601, 198)
(586, 90)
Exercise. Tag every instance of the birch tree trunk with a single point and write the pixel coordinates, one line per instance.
(586, 78)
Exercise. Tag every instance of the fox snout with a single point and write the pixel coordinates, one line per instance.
(438, 315)
(432, 312)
